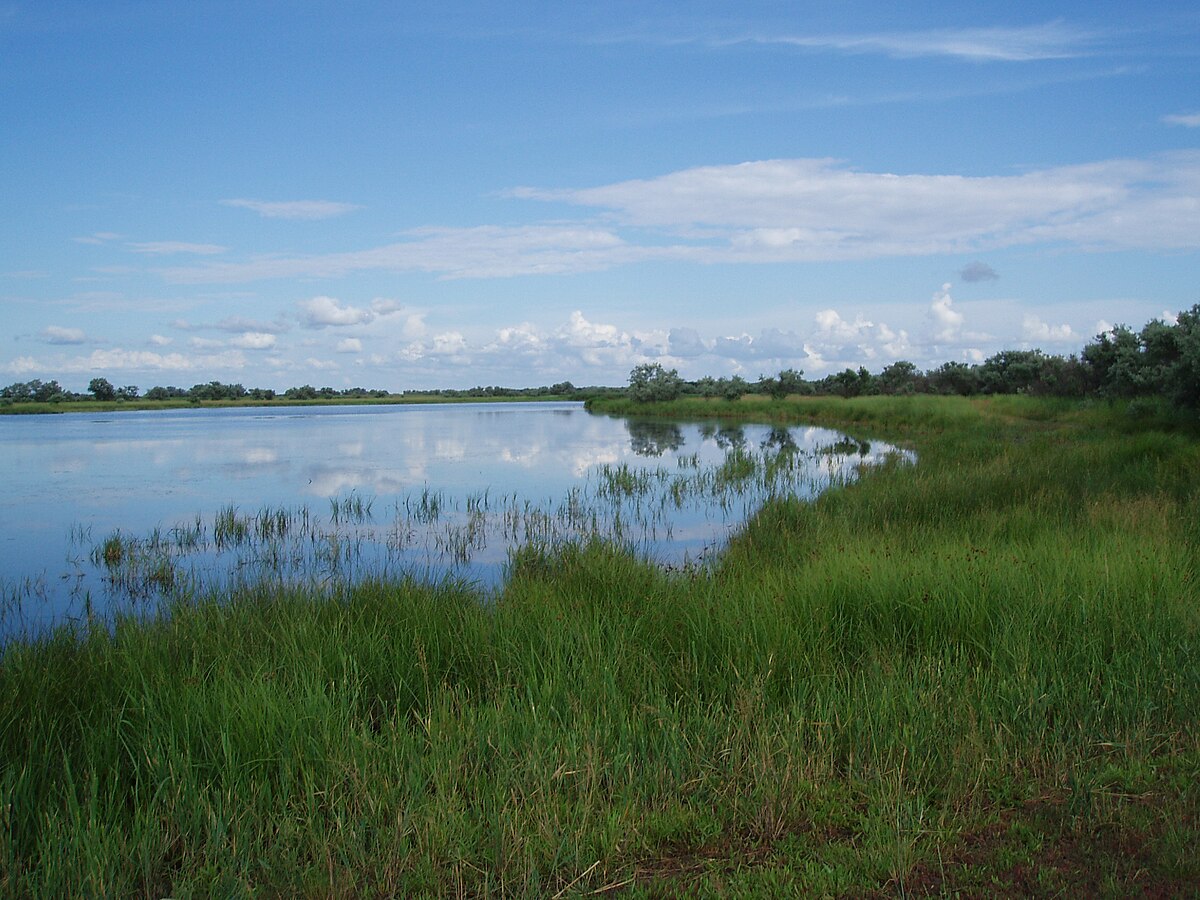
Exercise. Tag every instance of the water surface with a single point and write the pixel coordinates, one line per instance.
(104, 509)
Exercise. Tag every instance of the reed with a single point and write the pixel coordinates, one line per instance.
(976, 667)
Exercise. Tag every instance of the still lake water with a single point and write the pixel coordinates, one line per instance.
(106, 511)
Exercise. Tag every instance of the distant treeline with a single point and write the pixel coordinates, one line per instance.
(101, 389)
(1161, 360)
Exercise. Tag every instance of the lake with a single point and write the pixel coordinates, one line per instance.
(106, 511)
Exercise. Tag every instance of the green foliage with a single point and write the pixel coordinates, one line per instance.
(651, 382)
(35, 391)
(102, 389)
(901, 377)
(789, 381)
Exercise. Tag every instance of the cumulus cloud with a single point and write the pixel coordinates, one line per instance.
(978, 271)
(23, 365)
(323, 312)
(1033, 329)
(294, 209)
(685, 343)
(840, 342)
(53, 334)
(254, 340)
(349, 345)
(158, 340)
(947, 321)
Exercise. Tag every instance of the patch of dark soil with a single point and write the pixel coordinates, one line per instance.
(1041, 850)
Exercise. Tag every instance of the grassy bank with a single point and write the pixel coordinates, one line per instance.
(981, 673)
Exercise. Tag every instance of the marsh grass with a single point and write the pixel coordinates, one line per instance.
(859, 684)
(428, 530)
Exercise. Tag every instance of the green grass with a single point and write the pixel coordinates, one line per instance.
(978, 674)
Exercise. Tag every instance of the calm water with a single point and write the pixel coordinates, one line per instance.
(111, 510)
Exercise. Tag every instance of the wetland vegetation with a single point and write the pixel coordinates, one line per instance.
(979, 674)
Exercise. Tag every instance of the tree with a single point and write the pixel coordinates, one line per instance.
(899, 378)
(1115, 363)
(850, 383)
(954, 378)
(789, 381)
(1011, 371)
(734, 387)
(102, 389)
(650, 382)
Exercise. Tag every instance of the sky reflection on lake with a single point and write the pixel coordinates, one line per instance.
(78, 479)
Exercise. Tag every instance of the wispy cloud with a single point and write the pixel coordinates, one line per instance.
(488, 251)
(294, 209)
(167, 248)
(1188, 120)
(788, 210)
(54, 334)
(98, 238)
(1050, 40)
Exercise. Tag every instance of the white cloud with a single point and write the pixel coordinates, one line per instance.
(119, 360)
(349, 345)
(830, 324)
(686, 343)
(322, 312)
(487, 251)
(254, 340)
(23, 365)
(1033, 329)
(790, 210)
(947, 321)
(237, 324)
(166, 248)
(98, 237)
(158, 340)
(450, 343)
(53, 334)
(321, 365)
(294, 209)
(1053, 40)
(1188, 120)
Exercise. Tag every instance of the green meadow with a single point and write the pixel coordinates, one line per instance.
(976, 675)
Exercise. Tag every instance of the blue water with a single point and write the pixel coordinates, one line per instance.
(75, 479)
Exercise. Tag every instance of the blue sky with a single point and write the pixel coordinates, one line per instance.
(414, 195)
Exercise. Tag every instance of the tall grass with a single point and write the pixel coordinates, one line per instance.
(858, 681)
